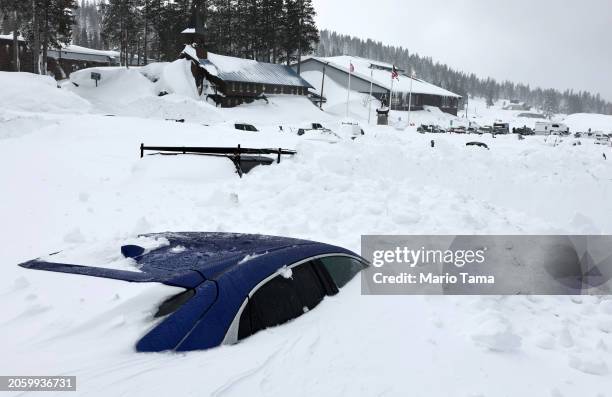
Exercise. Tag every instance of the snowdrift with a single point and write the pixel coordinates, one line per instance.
(172, 78)
(583, 121)
(118, 86)
(96, 188)
(35, 93)
(135, 92)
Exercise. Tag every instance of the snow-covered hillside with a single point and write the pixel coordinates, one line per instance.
(72, 173)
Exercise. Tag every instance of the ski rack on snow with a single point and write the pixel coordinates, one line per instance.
(244, 159)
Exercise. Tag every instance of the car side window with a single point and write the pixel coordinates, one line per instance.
(342, 269)
(281, 299)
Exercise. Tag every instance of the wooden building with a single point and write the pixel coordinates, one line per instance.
(6, 54)
(60, 62)
(376, 76)
(231, 81)
(71, 58)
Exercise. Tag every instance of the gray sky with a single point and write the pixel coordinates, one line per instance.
(549, 43)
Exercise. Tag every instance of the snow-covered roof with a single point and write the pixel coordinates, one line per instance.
(248, 71)
(10, 37)
(82, 53)
(380, 74)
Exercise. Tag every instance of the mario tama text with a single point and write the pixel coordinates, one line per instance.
(431, 278)
(418, 264)
(487, 265)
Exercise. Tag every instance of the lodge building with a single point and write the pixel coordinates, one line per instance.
(376, 76)
(60, 62)
(231, 81)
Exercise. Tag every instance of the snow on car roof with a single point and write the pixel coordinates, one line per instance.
(186, 259)
(380, 74)
(248, 70)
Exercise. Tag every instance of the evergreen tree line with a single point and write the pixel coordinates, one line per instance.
(45, 24)
(145, 30)
(88, 25)
(464, 84)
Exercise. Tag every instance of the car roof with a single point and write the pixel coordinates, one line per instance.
(193, 257)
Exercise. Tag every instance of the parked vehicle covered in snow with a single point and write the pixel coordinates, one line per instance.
(486, 129)
(501, 128)
(352, 130)
(313, 127)
(232, 285)
(432, 129)
(245, 127)
(457, 130)
(523, 131)
(550, 128)
(602, 139)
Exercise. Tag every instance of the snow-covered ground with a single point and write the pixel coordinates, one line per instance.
(71, 173)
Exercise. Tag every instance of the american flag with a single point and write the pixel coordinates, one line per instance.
(395, 73)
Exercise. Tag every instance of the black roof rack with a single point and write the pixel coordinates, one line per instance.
(244, 159)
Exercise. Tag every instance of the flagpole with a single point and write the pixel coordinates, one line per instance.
(410, 97)
(370, 99)
(391, 94)
(348, 92)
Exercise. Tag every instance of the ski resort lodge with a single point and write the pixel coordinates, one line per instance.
(376, 76)
(60, 62)
(232, 81)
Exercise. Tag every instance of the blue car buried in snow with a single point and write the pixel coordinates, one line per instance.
(234, 284)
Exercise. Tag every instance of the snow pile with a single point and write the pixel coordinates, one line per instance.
(172, 107)
(118, 86)
(154, 70)
(104, 254)
(97, 189)
(176, 78)
(583, 122)
(28, 92)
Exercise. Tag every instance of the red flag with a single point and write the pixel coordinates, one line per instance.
(395, 73)
(352, 68)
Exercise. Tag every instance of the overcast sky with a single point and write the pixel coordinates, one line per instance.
(549, 43)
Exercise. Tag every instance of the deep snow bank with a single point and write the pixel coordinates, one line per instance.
(118, 85)
(135, 92)
(176, 78)
(583, 121)
(35, 93)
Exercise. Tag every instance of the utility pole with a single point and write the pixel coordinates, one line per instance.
(370, 98)
(322, 86)
(16, 64)
(301, 10)
(348, 91)
(410, 96)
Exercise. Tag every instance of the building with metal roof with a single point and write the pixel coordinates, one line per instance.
(60, 62)
(376, 76)
(233, 81)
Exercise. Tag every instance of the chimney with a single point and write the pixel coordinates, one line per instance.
(201, 52)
